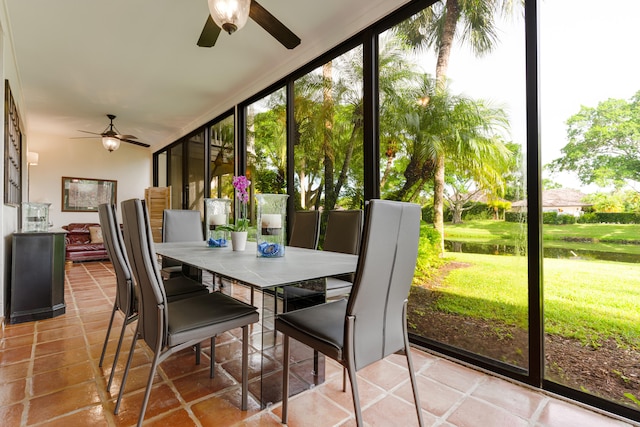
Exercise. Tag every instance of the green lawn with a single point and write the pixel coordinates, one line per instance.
(490, 231)
(586, 300)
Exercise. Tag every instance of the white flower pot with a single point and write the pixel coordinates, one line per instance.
(238, 240)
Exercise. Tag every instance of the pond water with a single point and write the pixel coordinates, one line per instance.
(503, 249)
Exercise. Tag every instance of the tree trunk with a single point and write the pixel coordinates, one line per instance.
(330, 197)
(442, 64)
(438, 199)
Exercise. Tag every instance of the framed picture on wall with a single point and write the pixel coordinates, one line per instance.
(85, 194)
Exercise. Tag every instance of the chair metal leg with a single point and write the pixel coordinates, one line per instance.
(355, 395)
(117, 354)
(213, 357)
(106, 339)
(147, 392)
(285, 378)
(198, 348)
(412, 375)
(126, 370)
(245, 366)
(344, 379)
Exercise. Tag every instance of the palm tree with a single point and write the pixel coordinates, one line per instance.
(437, 27)
(464, 131)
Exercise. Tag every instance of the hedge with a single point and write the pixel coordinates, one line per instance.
(610, 218)
(586, 218)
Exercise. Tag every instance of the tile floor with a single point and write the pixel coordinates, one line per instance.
(49, 376)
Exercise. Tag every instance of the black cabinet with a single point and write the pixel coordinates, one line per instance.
(37, 276)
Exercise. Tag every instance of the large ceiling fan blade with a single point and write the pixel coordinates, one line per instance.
(209, 34)
(123, 137)
(130, 141)
(274, 27)
(92, 133)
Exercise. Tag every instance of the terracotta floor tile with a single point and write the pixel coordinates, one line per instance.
(59, 360)
(93, 416)
(435, 397)
(58, 322)
(14, 371)
(511, 397)
(58, 379)
(560, 414)
(12, 392)
(198, 384)
(263, 419)
(11, 415)
(312, 409)
(17, 341)
(59, 346)
(136, 380)
(178, 418)
(13, 355)
(62, 402)
(392, 411)
(224, 409)
(184, 363)
(367, 392)
(384, 374)
(19, 329)
(161, 400)
(454, 375)
(59, 333)
(473, 412)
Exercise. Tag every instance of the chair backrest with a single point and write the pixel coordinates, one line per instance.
(383, 279)
(181, 225)
(114, 244)
(344, 231)
(306, 229)
(142, 257)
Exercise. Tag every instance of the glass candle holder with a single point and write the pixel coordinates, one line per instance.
(271, 225)
(35, 216)
(216, 215)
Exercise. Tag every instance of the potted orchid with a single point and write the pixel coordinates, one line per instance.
(239, 229)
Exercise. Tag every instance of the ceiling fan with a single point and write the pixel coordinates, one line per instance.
(111, 136)
(231, 15)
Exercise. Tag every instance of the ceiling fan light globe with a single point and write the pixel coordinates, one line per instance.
(110, 143)
(230, 15)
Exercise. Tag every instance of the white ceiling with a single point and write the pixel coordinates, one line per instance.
(138, 59)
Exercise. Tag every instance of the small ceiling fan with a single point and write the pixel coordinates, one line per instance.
(111, 136)
(231, 15)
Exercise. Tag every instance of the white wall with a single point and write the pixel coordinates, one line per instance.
(129, 165)
(8, 214)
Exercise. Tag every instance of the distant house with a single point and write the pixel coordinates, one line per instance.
(562, 200)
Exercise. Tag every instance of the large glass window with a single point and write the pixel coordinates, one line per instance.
(328, 140)
(452, 132)
(452, 128)
(267, 146)
(222, 158)
(590, 131)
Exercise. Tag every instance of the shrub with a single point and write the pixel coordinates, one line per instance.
(515, 217)
(428, 253)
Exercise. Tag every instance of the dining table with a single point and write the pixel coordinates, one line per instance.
(300, 273)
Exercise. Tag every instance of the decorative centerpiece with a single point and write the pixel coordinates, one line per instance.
(271, 229)
(217, 219)
(35, 216)
(239, 230)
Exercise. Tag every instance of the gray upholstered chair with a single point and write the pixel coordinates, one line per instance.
(180, 225)
(168, 327)
(125, 300)
(306, 229)
(371, 324)
(343, 234)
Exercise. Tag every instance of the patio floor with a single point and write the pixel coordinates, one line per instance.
(49, 376)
